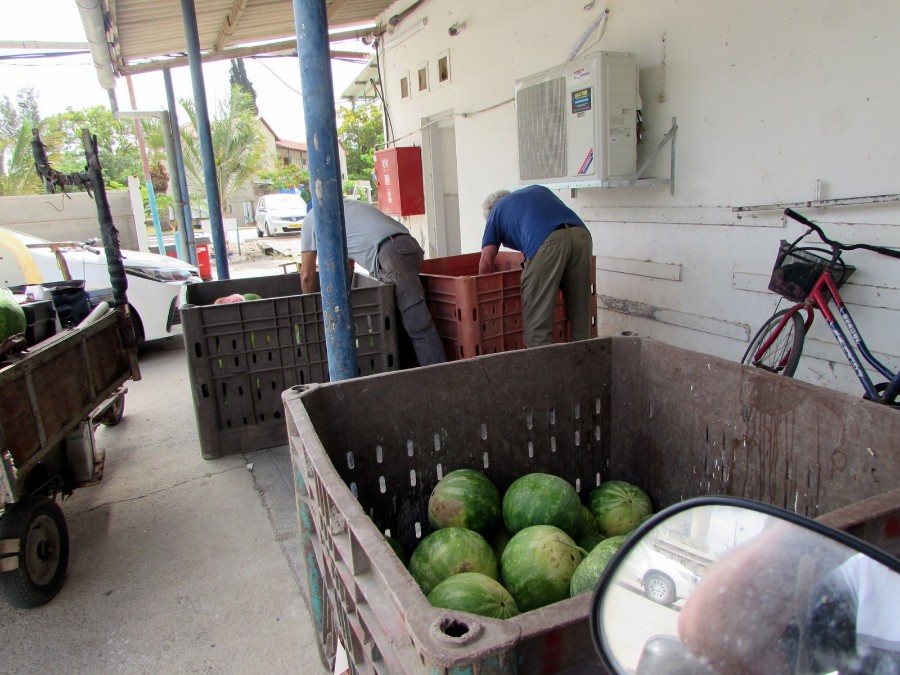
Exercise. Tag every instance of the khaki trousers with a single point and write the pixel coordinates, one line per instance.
(563, 262)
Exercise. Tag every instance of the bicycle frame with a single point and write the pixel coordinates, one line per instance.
(819, 300)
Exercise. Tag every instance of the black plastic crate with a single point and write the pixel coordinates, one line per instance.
(40, 317)
(241, 356)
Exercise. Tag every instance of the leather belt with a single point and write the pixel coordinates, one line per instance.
(391, 238)
(564, 226)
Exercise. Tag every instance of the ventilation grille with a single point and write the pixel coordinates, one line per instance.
(540, 112)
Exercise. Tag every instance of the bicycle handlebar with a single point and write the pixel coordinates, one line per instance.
(836, 245)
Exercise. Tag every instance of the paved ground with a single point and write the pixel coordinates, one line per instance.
(178, 564)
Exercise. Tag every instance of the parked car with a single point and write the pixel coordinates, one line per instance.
(662, 579)
(154, 281)
(280, 214)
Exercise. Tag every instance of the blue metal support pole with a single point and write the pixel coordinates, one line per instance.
(311, 20)
(182, 175)
(192, 38)
(154, 213)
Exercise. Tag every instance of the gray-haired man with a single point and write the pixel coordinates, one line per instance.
(557, 247)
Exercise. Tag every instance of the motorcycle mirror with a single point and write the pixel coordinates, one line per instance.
(720, 585)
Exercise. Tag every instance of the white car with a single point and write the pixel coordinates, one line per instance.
(662, 579)
(154, 281)
(280, 214)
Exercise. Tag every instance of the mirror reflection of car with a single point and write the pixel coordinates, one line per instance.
(662, 579)
(280, 214)
(154, 281)
(795, 596)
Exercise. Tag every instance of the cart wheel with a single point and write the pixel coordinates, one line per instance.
(115, 413)
(43, 542)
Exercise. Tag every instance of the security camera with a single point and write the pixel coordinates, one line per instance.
(456, 29)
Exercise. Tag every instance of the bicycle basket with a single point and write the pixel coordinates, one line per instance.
(797, 270)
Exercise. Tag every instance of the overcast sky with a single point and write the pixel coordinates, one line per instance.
(71, 81)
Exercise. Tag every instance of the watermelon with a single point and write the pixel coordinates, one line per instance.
(449, 551)
(589, 571)
(590, 540)
(542, 499)
(499, 541)
(537, 566)
(475, 593)
(464, 498)
(619, 507)
(229, 299)
(12, 316)
(588, 522)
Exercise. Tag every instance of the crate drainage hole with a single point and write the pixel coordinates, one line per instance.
(455, 631)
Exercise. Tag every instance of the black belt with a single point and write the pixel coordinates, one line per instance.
(391, 238)
(564, 226)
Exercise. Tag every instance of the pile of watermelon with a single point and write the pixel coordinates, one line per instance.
(537, 544)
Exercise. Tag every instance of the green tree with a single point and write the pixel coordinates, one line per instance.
(359, 131)
(285, 177)
(116, 143)
(237, 77)
(238, 144)
(17, 174)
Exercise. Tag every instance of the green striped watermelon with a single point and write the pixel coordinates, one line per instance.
(449, 551)
(12, 316)
(542, 499)
(588, 522)
(537, 566)
(475, 593)
(590, 540)
(464, 498)
(589, 571)
(619, 507)
(499, 541)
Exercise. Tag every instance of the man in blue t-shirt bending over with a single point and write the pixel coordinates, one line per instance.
(557, 247)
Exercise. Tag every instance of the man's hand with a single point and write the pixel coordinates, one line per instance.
(486, 264)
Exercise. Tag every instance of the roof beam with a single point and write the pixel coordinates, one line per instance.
(336, 6)
(230, 24)
(234, 53)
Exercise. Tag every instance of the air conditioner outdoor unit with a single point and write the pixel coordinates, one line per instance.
(577, 122)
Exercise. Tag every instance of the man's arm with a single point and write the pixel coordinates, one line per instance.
(486, 264)
(308, 277)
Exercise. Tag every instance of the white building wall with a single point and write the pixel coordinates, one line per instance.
(775, 102)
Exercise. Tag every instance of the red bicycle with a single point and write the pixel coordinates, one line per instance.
(812, 281)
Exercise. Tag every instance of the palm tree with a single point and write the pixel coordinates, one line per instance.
(239, 146)
(17, 174)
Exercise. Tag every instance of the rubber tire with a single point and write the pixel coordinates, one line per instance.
(115, 413)
(659, 588)
(268, 231)
(792, 337)
(40, 526)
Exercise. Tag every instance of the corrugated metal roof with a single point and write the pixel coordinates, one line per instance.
(364, 85)
(141, 30)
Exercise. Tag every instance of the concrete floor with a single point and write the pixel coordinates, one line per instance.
(178, 564)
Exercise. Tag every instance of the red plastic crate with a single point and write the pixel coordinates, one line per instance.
(479, 314)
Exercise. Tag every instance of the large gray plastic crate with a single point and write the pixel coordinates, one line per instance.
(678, 423)
(242, 356)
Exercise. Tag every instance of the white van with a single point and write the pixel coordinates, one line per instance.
(280, 214)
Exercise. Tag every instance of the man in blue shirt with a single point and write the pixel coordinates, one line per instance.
(557, 247)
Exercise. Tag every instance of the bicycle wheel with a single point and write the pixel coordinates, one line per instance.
(783, 355)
